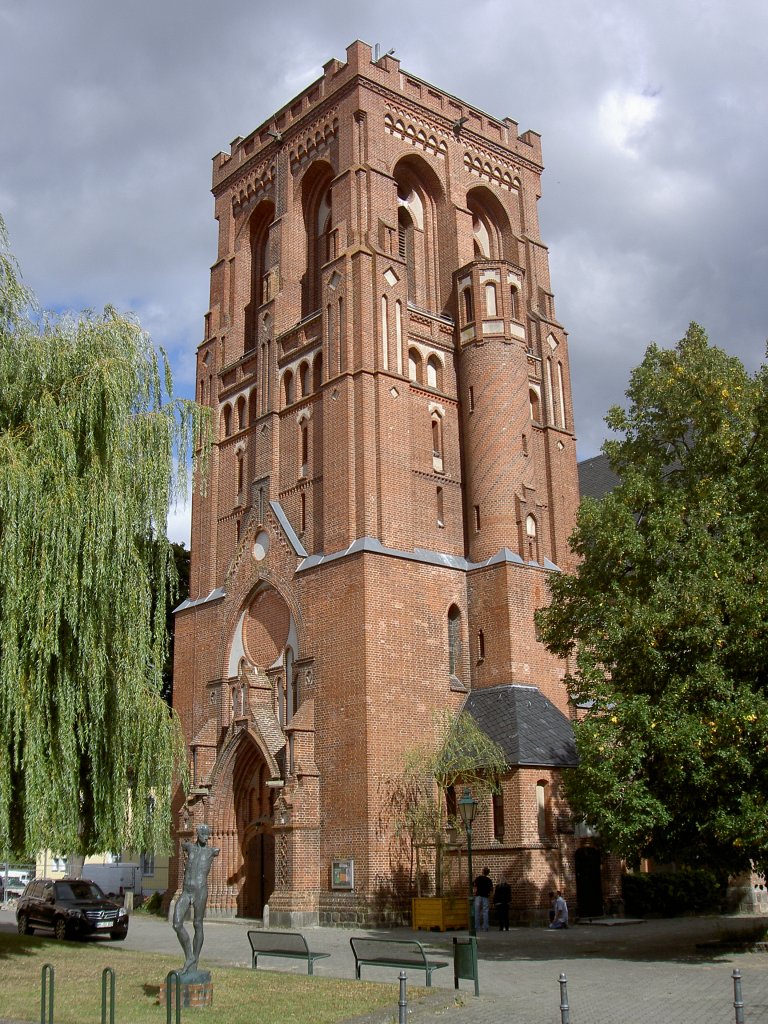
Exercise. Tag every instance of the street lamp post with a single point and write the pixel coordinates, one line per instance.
(468, 809)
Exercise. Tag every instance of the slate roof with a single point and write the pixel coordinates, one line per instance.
(525, 724)
(596, 478)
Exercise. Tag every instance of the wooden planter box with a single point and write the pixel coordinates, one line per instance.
(439, 912)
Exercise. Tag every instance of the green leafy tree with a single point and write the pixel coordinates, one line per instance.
(666, 617)
(460, 753)
(89, 435)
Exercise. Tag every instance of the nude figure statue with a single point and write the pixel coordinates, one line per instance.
(199, 857)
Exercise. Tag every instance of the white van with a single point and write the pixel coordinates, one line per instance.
(15, 881)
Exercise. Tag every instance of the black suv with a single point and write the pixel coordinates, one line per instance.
(72, 908)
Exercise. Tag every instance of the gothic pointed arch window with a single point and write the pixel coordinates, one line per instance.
(317, 372)
(289, 388)
(290, 685)
(531, 538)
(454, 641)
(317, 207)
(226, 420)
(544, 809)
(481, 238)
(514, 302)
(434, 373)
(419, 201)
(492, 235)
(468, 306)
(242, 421)
(491, 305)
(304, 379)
(258, 243)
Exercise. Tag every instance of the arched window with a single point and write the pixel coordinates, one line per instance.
(258, 238)
(303, 448)
(533, 399)
(454, 641)
(242, 422)
(304, 379)
(253, 407)
(490, 300)
(531, 538)
(543, 809)
(316, 204)
(440, 508)
(480, 645)
(419, 201)
(492, 235)
(481, 238)
(434, 373)
(514, 302)
(317, 372)
(240, 473)
(226, 420)
(437, 442)
(289, 393)
(414, 365)
(405, 246)
(469, 310)
(498, 816)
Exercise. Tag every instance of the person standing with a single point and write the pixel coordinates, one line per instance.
(561, 912)
(483, 890)
(502, 897)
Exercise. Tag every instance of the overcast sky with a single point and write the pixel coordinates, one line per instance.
(653, 117)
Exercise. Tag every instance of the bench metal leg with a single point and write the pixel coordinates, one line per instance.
(310, 965)
(429, 979)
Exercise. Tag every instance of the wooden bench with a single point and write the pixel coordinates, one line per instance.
(401, 953)
(291, 945)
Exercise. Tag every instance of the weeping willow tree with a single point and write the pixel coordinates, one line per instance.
(89, 437)
(460, 754)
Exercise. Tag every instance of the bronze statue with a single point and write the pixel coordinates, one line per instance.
(199, 857)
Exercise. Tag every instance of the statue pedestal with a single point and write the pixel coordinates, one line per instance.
(195, 989)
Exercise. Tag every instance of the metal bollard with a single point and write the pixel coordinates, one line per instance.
(107, 973)
(46, 987)
(564, 1015)
(177, 986)
(403, 1002)
(738, 1002)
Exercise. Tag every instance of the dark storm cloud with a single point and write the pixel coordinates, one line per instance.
(653, 121)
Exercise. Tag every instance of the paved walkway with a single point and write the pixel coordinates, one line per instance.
(672, 971)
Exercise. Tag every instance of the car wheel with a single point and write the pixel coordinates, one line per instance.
(118, 936)
(23, 925)
(60, 929)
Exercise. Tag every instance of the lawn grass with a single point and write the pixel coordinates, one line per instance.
(240, 995)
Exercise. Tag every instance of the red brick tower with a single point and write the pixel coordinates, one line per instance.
(393, 478)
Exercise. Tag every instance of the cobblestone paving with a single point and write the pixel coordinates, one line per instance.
(672, 971)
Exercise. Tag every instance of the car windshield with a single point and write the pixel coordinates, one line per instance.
(78, 891)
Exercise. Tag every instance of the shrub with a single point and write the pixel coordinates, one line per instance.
(671, 893)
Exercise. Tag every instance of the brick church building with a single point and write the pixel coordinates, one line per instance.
(392, 481)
